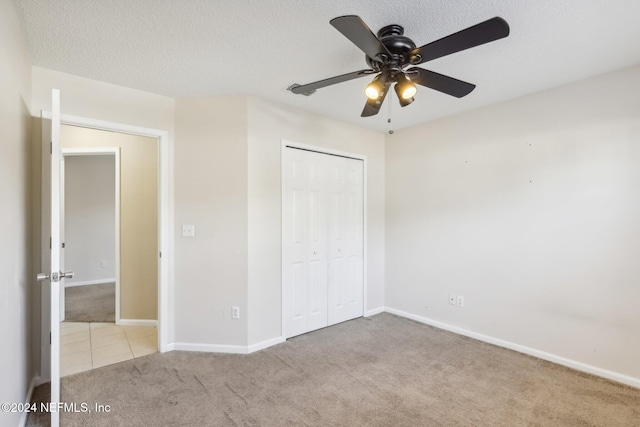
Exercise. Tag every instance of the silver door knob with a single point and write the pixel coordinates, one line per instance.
(67, 274)
(56, 277)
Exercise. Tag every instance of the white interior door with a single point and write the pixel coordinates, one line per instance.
(346, 240)
(52, 274)
(322, 240)
(305, 256)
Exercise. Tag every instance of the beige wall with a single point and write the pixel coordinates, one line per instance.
(138, 215)
(268, 125)
(18, 358)
(99, 100)
(211, 194)
(530, 210)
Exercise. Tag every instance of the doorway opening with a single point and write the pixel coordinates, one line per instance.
(110, 240)
(90, 230)
(150, 325)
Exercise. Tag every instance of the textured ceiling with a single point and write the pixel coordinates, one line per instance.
(260, 47)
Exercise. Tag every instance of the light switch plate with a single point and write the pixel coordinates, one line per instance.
(189, 230)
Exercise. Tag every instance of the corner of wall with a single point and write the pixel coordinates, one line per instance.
(16, 262)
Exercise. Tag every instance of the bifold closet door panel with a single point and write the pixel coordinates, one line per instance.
(305, 240)
(346, 239)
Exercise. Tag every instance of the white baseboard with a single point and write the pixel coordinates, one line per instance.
(209, 348)
(137, 322)
(614, 376)
(374, 311)
(265, 344)
(27, 399)
(222, 348)
(88, 282)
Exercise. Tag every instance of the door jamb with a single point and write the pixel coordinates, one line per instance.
(284, 144)
(163, 208)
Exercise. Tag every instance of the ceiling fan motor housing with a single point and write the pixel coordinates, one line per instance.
(392, 36)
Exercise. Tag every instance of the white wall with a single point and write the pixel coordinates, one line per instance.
(211, 194)
(17, 279)
(530, 210)
(90, 209)
(268, 125)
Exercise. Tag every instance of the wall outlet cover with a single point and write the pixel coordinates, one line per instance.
(452, 299)
(235, 312)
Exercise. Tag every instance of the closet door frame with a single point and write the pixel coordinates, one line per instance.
(290, 144)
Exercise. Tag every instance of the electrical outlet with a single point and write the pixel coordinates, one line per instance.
(235, 312)
(452, 299)
(460, 301)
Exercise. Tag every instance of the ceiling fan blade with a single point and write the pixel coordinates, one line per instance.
(440, 82)
(484, 32)
(310, 88)
(354, 28)
(372, 106)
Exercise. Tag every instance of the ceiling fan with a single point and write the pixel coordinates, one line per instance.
(393, 56)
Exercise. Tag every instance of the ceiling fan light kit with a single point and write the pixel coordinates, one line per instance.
(404, 88)
(376, 87)
(390, 54)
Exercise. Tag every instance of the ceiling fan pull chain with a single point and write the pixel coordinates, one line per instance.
(389, 119)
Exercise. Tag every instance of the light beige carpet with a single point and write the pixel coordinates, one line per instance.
(91, 303)
(378, 371)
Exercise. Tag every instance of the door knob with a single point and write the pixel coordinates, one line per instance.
(56, 277)
(67, 274)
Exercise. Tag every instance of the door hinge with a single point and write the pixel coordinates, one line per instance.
(50, 147)
(62, 245)
(49, 337)
(49, 242)
(161, 254)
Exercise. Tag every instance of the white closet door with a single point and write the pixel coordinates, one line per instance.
(305, 240)
(346, 239)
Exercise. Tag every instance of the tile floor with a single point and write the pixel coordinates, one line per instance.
(86, 346)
